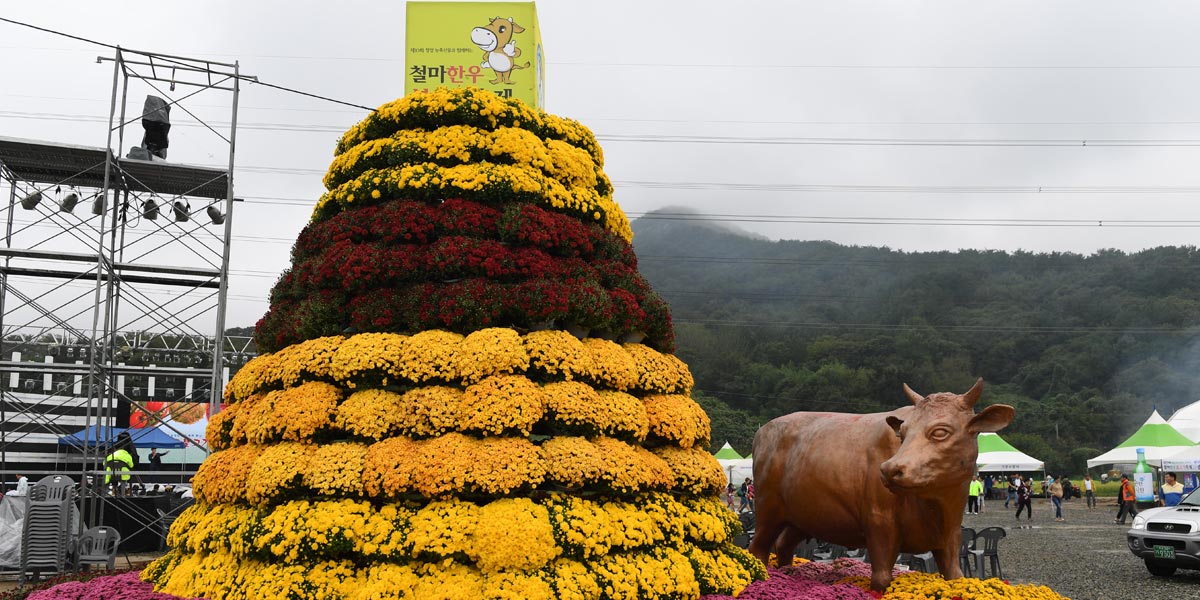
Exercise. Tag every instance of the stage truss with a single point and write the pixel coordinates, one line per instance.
(104, 310)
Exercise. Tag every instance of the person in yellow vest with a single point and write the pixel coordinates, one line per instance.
(973, 495)
(117, 463)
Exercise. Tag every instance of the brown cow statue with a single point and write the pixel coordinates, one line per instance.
(890, 482)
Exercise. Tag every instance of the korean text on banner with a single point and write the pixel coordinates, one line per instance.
(492, 45)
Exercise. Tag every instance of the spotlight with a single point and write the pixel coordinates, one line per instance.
(68, 202)
(214, 213)
(181, 210)
(99, 205)
(149, 209)
(30, 202)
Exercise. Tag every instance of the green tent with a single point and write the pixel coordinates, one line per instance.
(728, 453)
(1156, 436)
(997, 455)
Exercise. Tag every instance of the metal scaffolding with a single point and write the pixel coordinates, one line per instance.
(114, 275)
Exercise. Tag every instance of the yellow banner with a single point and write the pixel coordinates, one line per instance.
(492, 45)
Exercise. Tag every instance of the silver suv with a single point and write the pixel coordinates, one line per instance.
(1168, 538)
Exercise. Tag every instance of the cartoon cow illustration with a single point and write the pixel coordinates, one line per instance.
(499, 49)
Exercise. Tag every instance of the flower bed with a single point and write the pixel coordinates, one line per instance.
(508, 563)
(849, 579)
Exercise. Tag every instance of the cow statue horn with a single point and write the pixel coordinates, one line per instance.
(972, 395)
(915, 397)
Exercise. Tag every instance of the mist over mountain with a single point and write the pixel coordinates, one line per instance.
(662, 221)
(1084, 346)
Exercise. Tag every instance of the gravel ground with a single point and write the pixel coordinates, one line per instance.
(1084, 558)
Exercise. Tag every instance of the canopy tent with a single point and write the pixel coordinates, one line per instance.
(998, 456)
(1187, 421)
(148, 437)
(727, 453)
(1159, 439)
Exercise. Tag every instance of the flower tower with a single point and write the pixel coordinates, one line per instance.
(469, 391)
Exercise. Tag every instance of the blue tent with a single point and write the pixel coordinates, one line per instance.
(150, 437)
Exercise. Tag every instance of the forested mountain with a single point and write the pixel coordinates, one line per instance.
(1083, 346)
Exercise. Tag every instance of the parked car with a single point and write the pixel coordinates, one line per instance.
(1168, 538)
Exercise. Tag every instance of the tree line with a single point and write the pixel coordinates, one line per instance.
(1083, 346)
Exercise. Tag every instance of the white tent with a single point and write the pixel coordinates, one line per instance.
(1157, 437)
(1186, 460)
(1187, 421)
(736, 468)
(998, 456)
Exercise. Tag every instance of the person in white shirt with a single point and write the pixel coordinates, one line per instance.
(22, 486)
(1089, 490)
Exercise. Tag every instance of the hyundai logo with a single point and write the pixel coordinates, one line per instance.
(1168, 527)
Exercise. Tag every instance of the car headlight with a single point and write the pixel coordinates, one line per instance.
(1139, 522)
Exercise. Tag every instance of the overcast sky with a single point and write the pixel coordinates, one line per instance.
(758, 82)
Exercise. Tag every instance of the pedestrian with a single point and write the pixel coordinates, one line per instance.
(1024, 498)
(1127, 499)
(988, 483)
(730, 491)
(973, 492)
(1012, 490)
(742, 495)
(1068, 488)
(1089, 490)
(1056, 496)
(750, 494)
(1172, 491)
(156, 459)
(22, 486)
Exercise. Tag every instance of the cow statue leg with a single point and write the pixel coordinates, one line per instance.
(768, 526)
(948, 562)
(785, 545)
(883, 550)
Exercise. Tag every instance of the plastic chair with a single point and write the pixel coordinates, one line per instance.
(926, 562)
(98, 546)
(45, 536)
(165, 520)
(966, 551)
(807, 549)
(991, 537)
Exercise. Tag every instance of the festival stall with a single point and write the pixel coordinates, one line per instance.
(1156, 436)
(996, 455)
(1186, 465)
(737, 469)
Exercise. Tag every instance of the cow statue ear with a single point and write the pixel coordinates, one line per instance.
(971, 398)
(991, 419)
(913, 396)
(894, 423)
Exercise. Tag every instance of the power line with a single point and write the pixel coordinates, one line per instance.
(964, 328)
(850, 141)
(740, 66)
(243, 78)
(703, 140)
(665, 65)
